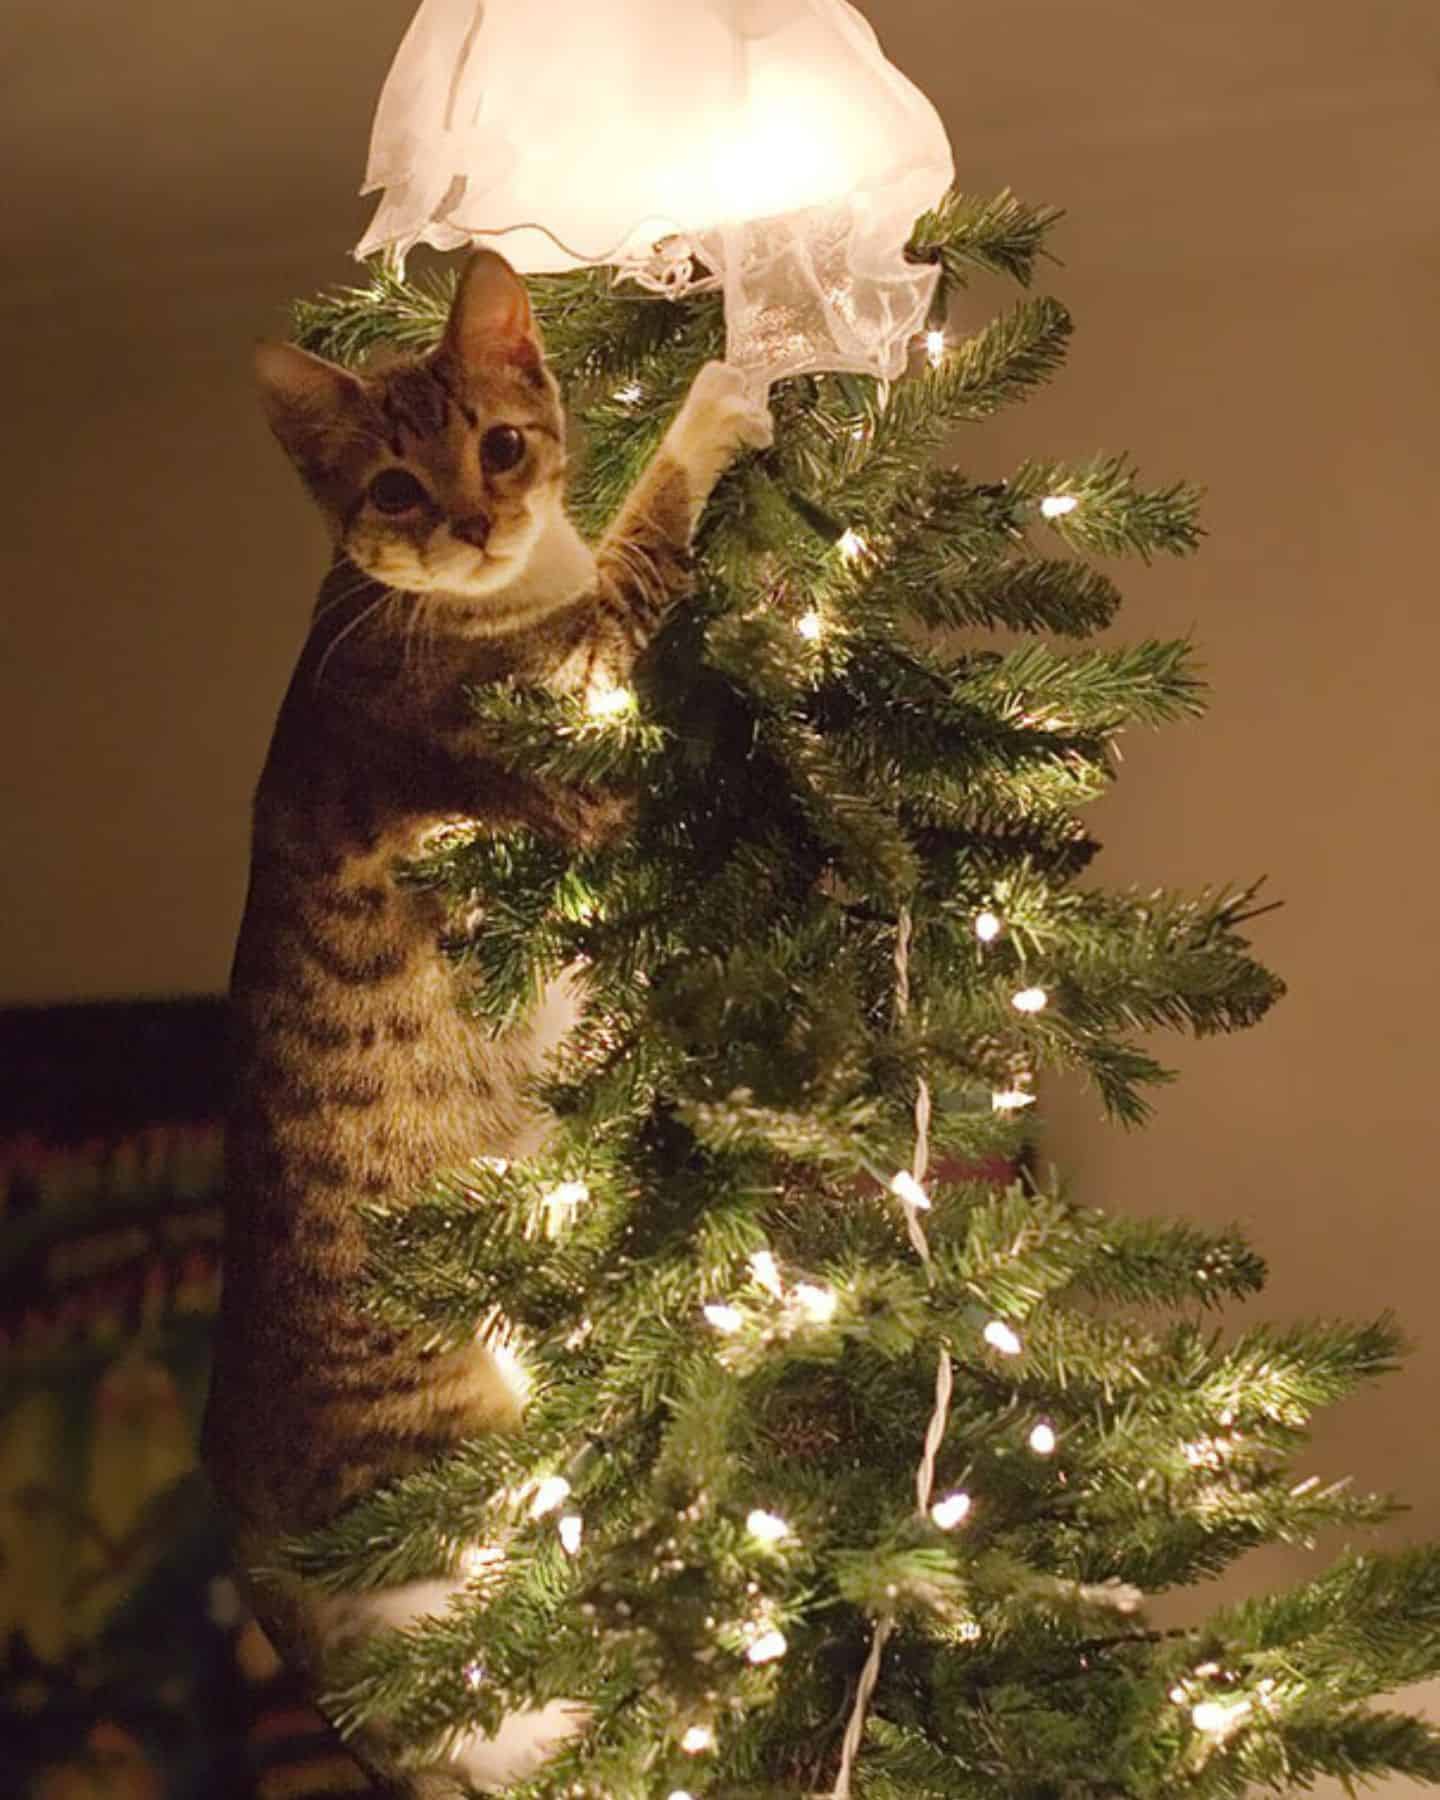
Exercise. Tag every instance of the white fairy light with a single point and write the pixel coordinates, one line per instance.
(1043, 1439)
(988, 926)
(697, 1739)
(1218, 1716)
(998, 1335)
(1030, 1000)
(766, 1271)
(935, 347)
(767, 1647)
(953, 1510)
(604, 701)
(1055, 506)
(1010, 1100)
(850, 545)
(679, 1794)
(1179, 1694)
(818, 1304)
(480, 1559)
(474, 1675)
(548, 1495)
(810, 625)
(724, 1318)
(905, 1187)
(630, 393)
(767, 1526)
(562, 1203)
(572, 1530)
(968, 1631)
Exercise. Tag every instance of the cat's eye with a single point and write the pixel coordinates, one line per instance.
(501, 448)
(396, 491)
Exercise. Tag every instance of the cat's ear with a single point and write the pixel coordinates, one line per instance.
(490, 317)
(303, 395)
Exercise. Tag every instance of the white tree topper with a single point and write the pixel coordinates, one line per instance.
(768, 140)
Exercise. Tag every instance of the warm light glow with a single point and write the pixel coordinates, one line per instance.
(905, 1187)
(1030, 1000)
(679, 1794)
(572, 1529)
(474, 1674)
(818, 1304)
(480, 1559)
(999, 1336)
(935, 347)
(767, 1647)
(767, 1526)
(988, 927)
(953, 1510)
(1055, 506)
(766, 1271)
(851, 545)
(1179, 1695)
(810, 625)
(1043, 1440)
(630, 393)
(1011, 1100)
(698, 1738)
(562, 1202)
(1217, 1715)
(968, 1631)
(548, 1495)
(724, 1318)
(606, 702)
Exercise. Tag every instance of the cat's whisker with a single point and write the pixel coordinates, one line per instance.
(365, 613)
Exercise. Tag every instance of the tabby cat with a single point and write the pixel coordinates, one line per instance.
(356, 1076)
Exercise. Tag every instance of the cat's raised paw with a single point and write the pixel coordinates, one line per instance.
(722, 401)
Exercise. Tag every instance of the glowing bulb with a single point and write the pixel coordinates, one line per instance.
(1179, 1696)
(480, 1559)
(988, 927)
(953, 1510)
(767, 1526)
(1011, 1100)
(1030, 1000)
(817, 1304)
(724, 1318)
(606, 702)
(1213, 1715)
(999, 1336)
(851, 545)
(767, 1647)
(474, 1675)
(679, 1794)
(572, 1529)
(696, 1739)
(1043, 1439)
(767, 1272)
(548, 1495)
(968, 1631)
(1055, 506)
(630, 393)
(810, 625)
(935, 347)
(905, 1187)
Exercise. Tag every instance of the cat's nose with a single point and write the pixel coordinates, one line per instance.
(474, 530)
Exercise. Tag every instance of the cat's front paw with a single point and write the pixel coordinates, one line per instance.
(724, 411)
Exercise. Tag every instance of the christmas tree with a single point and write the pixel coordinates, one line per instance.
(854, 1447)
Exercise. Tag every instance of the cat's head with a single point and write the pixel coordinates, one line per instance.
(438, 473)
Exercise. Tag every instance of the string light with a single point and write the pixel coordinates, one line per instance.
(679, 1794)
(1055, 506)
(968, 1631)
(767, 1647)
(935, 347)
(1011, 1100)
(606, 702)
(999, 1336)
(548, 1495)
(767, 1526)
(1219, 1716)
(905, 1187)
(1030, 1000)
(572, 1529)
(953, 1510)
(474, 1675)
(696, 1739)
(810, 625)
(988, 927)
(767, 1272)
(851, 545)
(818, 1304)
(1043, 1439)
(630, 393)
(724, 1318)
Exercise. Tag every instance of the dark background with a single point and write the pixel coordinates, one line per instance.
(1251, 255)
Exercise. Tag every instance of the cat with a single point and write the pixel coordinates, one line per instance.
(356, 1076)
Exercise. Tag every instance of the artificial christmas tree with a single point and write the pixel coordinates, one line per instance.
(846, 1466)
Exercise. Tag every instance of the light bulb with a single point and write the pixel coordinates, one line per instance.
(606, 702)
(630, 393)
(851, 545)
(1055, 506)
(935, 347)
(968, 1631)
(1216, 1716)
(810, 625)
(818, 1304)
(696, 1739)
(905, 1187)
(1179, 1695)
(548, 1495)
(572, 1529)
(1011, 1100)
(988, 927)
(679, 1794)
(724, 1318)
(1043, 1439)
(767, 1647)
(999, 1336)
(480, 1559)
(767, 1272)
(474, 1675)
(953, 1510)
(1030, 1000)
(767, 1526)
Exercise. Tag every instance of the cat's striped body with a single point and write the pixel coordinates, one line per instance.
(356, 1075)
